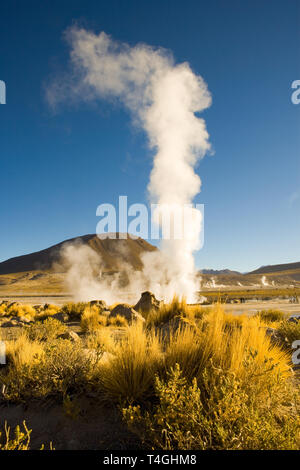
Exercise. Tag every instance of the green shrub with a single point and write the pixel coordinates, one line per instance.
(58, 368)
(226, 416)
(46, 330)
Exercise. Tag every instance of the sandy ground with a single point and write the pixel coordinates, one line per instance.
(254, 306)
(38, 299)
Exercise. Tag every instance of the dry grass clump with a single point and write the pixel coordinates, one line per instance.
(193, 348)
(129, 376)
(102, 338)
(118, 320)
(166, 312)
(23, 352)
(176, 308)
(91, 319)
(290, 331)
(217, 382)
(74, 310)
(220, 388)
(47, 311)
(271, 315)
(37, 369)
(20, 440)
(17, 310)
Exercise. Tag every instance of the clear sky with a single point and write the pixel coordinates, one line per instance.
(56, 168)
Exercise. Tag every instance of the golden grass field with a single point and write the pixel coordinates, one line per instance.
(181, 377)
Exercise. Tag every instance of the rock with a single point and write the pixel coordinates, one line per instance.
(38, 308)
(106, 357)
(99, 303)
(60, 316)
(70, 335)
(23, 319)
(106, 313)
(12, 304)
(275, 337)
(294, 319)
(124, 310)
(147, 303)
(10, 324)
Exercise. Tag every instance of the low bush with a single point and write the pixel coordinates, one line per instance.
(271, 315)
(118, 320)
(17, 310)
(39, 370)
(47, 311)
(46, 330)
(74, 310)
(227, 417)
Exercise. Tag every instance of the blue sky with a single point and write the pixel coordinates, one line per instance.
(56, 168)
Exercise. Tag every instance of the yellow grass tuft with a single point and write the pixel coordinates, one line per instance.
(129, 376)
(91, 319)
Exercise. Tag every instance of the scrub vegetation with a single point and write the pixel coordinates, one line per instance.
(183, 377)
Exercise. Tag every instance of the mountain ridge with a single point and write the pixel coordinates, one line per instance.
(114, 253)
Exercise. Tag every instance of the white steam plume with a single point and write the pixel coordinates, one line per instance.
(163, 98)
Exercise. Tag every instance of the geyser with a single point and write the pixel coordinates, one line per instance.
(163, 98)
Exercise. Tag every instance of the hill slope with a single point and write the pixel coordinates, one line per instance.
(276, 268)
(113, 252)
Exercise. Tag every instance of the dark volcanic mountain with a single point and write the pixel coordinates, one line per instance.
(219, 271)
(275, 268)
(114, 253)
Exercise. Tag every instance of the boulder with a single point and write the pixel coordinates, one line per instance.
(106, 313)
(147, 303)
(60, 316)
(275, 337)
(294, 319)
(10, 324)
(23, 319)
(101, 304)
(38, 308)
(124, 310)
(70, 335)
